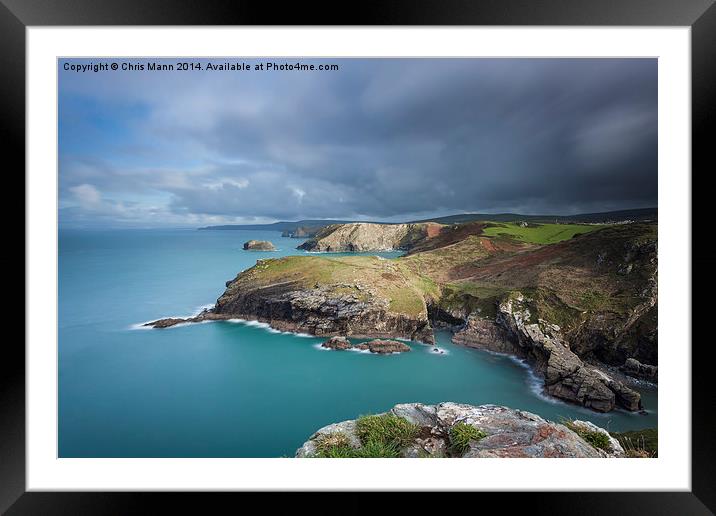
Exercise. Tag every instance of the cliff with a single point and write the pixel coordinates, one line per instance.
(566, 376)
(454, 430)
(364, 236)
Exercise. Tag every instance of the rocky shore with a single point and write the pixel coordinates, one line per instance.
(566, 376)
(454, 430)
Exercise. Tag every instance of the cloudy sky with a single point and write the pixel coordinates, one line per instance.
(379, 139)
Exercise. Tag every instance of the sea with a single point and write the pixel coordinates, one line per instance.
(237, 388)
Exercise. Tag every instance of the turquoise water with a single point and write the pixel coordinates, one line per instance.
(229, 389)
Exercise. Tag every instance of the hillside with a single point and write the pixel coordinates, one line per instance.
(644, 214)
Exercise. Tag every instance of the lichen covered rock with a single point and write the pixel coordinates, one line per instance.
(502, 431)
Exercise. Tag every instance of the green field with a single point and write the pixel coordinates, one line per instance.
(539, 233)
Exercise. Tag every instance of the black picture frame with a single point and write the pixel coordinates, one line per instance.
(700, 15)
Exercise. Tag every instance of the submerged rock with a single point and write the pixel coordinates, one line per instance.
(503, 432)
(258, 245)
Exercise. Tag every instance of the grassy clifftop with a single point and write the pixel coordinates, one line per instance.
(539, 233)
(363, 277)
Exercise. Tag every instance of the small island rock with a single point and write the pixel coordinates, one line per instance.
(384, 346)
(258, 245)
(339, 343)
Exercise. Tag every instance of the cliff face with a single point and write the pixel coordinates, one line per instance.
(369, 237)
(566, 376)
(456, 430)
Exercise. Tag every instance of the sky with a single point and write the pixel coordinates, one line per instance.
(377, 139)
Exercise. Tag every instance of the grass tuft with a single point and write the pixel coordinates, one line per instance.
(596, 439)
(386, 429)
(462, 433)
(378, 450)
(381, 436)
(639, 443)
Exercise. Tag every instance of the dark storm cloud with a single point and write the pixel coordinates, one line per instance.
(379, 139)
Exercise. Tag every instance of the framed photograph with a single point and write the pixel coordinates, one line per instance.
(267, 251)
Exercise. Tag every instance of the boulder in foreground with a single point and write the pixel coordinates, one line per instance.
(414, 430)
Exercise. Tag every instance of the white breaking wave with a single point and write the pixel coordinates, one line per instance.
(201, 308)
(356, 350)
(267, 327)
(534, 382)
(140, 326)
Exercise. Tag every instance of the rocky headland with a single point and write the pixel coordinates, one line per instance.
(258, 245)
(362, 297)
(454, 430)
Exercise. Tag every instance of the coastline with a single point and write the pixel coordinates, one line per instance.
(535, 380)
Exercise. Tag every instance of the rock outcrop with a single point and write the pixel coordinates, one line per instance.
(384, 346)
(379, 346)
(339, 343)
(205, 315)
(258, 245)
(506, 433)
(362, 297)
(363, 236)
(636, 369)
(566, 376)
